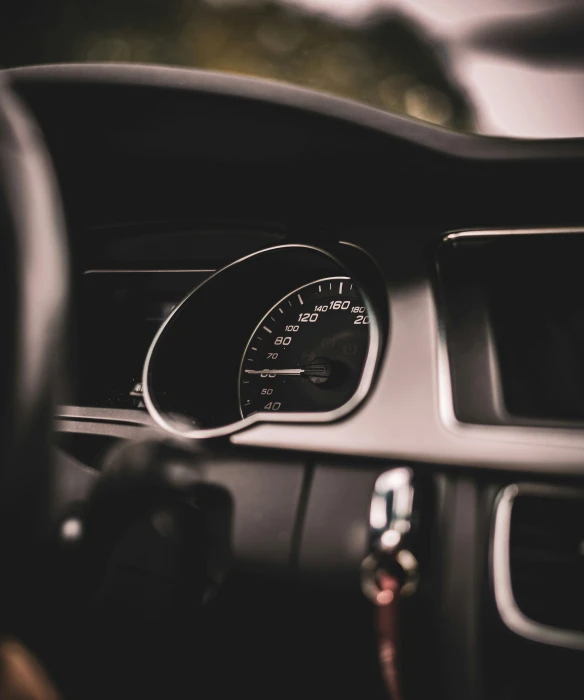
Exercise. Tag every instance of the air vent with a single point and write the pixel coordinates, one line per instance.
(538, 563)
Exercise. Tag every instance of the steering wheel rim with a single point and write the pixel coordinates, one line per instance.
(33, 286)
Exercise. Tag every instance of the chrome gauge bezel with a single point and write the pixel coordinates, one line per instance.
(336, 414)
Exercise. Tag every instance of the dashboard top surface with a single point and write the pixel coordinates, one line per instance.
(428, 136)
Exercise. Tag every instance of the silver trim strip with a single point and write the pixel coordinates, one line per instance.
(126, 272)
(106, 415)
(507, 606)
(482, 233)
(325, 417)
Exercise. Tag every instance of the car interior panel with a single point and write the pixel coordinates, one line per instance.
(293, 398)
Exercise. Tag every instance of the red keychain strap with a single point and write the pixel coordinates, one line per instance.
(388, 632)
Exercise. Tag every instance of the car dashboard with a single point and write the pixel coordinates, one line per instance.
(261, 268)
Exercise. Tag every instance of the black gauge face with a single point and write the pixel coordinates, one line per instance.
(307, 353)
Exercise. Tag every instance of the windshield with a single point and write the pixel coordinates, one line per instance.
(500, 67)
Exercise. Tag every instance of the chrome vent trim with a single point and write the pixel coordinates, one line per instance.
(507, 606)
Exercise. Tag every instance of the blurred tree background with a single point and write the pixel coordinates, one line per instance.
(383, 60)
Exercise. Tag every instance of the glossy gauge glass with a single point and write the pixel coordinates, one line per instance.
(308, 352)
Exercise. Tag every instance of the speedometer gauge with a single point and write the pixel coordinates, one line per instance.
(307, 353)
(298, 341)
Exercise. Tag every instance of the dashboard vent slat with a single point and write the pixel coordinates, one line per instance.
(538, 563)
(547, 567)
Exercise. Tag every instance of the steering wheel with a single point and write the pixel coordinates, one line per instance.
(34, 292)
(33, 287)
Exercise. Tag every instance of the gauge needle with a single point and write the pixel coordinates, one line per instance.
(290, 372)
(314, 370)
